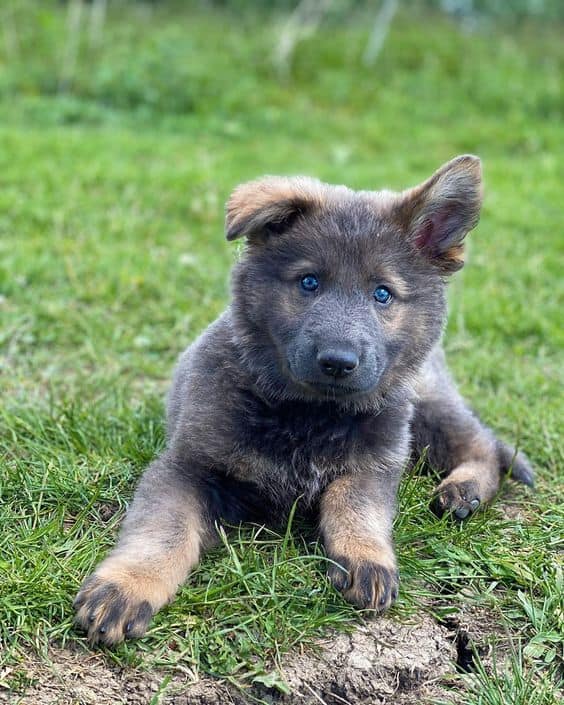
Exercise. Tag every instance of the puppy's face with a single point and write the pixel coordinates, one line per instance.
(339, 294)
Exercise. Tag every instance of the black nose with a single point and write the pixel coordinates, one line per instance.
(337, 363)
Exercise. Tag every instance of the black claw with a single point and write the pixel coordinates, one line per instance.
(375, 577)
(462, 513)
(116, 609)
(137, 624)
(91, 618)
(102, 630)
(145, 611)
(340, 579)
(474, 504)
(339, 575)
(437, 506)
(365, 579)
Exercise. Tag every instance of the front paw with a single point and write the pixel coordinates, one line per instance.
(111, 609)
(367, 581)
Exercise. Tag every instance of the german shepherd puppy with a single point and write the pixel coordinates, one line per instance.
(320, 381)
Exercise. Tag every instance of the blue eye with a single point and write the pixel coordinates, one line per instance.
(310, 282)
(382, 295)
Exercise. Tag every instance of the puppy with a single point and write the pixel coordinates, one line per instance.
(320, 381)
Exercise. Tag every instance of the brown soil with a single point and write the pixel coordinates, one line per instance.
(382, 662)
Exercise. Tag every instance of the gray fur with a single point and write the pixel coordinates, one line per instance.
(256, 422)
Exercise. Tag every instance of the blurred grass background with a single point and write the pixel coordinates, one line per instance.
(123, 128)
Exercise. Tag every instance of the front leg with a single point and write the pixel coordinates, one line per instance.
(162, 536)
(357, 512)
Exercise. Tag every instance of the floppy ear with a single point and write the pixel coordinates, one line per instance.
(438, 213)
(269, 205)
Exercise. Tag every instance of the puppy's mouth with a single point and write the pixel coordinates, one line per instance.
(332, 389)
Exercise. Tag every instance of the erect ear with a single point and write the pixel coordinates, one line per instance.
(269, 205)
(437, 214)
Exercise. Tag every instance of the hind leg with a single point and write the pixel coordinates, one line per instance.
(477, 478)
(471, 464)
(457, 444)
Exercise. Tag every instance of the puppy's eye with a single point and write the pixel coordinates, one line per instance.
(309, 283)
(382, 295)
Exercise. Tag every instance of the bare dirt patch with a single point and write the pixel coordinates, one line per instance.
(383, 661)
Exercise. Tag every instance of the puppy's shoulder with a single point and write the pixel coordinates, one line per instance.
(204, 376)
(209, 352)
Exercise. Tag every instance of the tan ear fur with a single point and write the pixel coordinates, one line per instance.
(437, 214)
(269, 201)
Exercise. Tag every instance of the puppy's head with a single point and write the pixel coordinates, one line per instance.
(340, 294)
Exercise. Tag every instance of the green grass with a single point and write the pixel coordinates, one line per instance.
(112, 258)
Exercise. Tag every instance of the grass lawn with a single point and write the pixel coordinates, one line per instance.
(114, 167)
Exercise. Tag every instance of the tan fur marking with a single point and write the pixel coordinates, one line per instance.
(478, 449)
(135, 586)
(148, 565)
(398, 317)
(460, 173)
(360, 532)
(269, 199)
(359, 550)
(484, 475)
(452, 194)
(346, 514)
(455, 254)
(391, 278)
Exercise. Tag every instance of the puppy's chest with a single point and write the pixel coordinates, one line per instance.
(297, 449)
